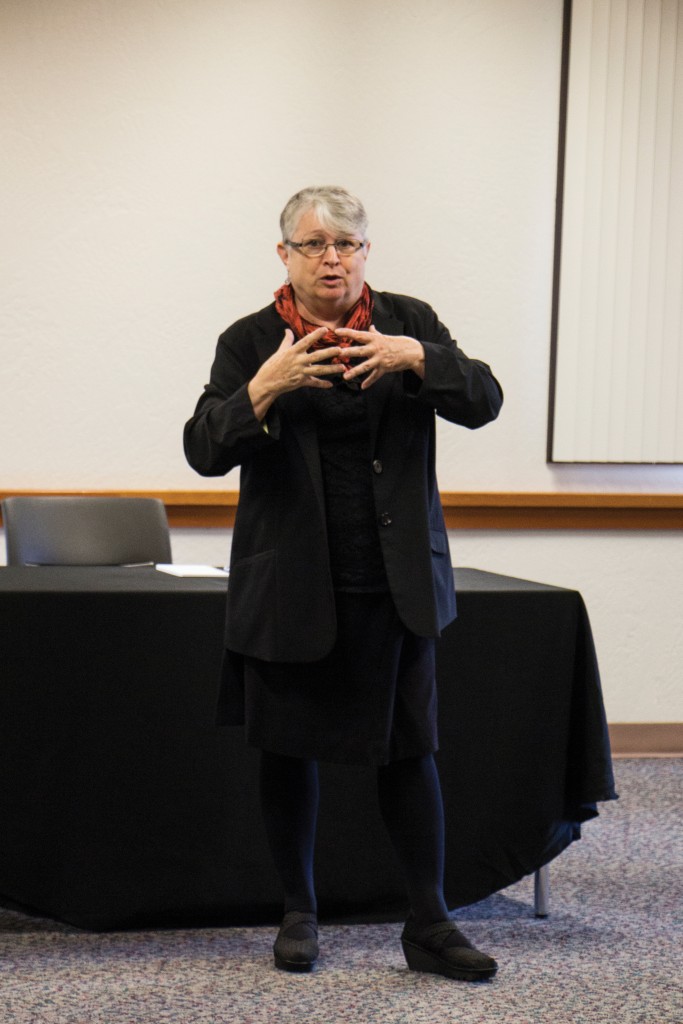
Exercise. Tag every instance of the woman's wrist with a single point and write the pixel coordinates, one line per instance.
(261, 396)
(418, 364)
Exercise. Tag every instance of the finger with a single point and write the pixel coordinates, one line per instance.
(309, 339)
(325, 370)
(357, 371)
(288, 339)
(370, 379)
(356, 352)
(321, 354)
(348, 332)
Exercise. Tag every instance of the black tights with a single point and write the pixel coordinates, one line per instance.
(412, 811)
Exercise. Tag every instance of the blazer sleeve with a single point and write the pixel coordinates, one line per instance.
(460, 389)
(224, 431)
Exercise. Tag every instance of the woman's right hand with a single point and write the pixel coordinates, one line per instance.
(290, 367)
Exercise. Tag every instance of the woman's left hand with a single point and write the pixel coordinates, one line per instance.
(380, 354)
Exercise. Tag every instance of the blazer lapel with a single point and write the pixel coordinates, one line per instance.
(296, 408)
(385, 322)
(293, 406)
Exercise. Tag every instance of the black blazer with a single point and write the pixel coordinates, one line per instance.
(280, 604)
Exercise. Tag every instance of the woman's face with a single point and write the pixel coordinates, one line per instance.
(326, 285)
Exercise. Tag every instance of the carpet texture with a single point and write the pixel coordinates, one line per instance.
(611, 950)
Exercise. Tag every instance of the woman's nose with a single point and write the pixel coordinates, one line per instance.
(331, 254)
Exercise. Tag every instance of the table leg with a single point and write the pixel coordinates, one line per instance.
(542, 891)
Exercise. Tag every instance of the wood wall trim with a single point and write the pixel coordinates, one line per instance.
(489, 510)
(646, 739)
(545, 511)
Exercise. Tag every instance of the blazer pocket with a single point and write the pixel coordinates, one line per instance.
(250, 625)
(249, 561)
(252, 581)
(439, 542)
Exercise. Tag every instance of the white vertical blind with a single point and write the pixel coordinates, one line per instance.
(618, 388)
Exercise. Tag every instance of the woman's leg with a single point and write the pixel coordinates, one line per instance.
(412, 809)
(289, 804)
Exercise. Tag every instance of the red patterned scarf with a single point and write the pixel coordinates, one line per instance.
(358, 318)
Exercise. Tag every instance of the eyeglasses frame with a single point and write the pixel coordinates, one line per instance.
(299, 248)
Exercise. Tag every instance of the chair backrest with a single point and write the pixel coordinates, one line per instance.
(85, 531)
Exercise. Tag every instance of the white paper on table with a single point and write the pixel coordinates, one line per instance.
(191, 570)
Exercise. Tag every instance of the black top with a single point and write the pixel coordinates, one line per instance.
(344, 439)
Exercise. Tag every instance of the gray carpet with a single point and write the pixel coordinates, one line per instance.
(610, 952)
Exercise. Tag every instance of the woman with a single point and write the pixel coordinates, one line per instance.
(340, 574)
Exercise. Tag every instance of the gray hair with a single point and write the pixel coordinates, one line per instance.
(335, 207)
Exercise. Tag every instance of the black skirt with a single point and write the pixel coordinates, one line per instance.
(370, 701)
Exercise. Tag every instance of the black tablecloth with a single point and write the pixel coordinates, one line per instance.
(121, 803)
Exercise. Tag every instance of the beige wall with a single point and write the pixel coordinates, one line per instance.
(148, 148)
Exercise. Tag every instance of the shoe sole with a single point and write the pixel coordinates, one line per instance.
(420, 959)
(298, 966)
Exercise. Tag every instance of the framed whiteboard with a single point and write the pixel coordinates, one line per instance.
(616, 389)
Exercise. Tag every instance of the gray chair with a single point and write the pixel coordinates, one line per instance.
(85, 531)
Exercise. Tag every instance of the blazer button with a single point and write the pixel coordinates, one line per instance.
(384, 519)
(377, 466)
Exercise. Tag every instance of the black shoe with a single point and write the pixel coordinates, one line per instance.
(297, 954)
(441, 948)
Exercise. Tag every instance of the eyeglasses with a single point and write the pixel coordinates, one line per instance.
(313, 247)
